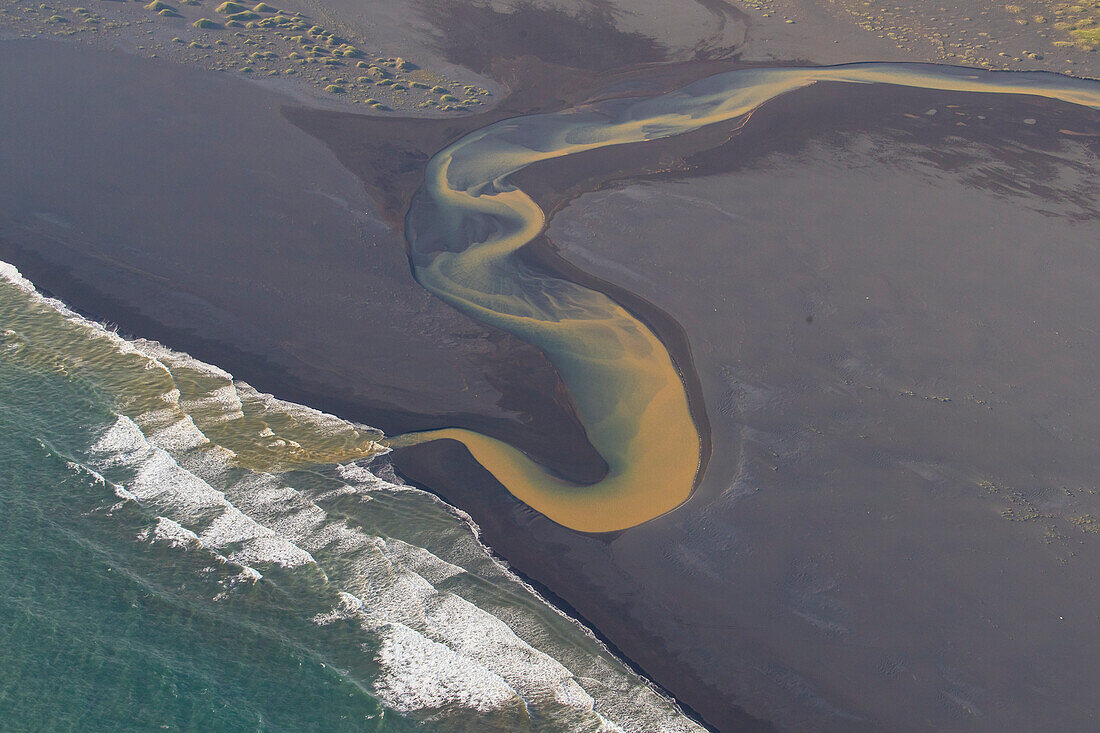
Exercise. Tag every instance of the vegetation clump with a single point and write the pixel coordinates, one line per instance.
(293, 40)
(1087, 37)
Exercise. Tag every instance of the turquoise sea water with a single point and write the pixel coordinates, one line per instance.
(180, 552)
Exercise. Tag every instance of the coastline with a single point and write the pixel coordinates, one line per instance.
(435, 468)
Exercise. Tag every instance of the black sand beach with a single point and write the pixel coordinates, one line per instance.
(245, 243)
(830, 440)
(882, 314)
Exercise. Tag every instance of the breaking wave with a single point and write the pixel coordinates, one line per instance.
(285, 522)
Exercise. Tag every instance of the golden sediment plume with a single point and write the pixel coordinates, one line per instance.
(467, 224)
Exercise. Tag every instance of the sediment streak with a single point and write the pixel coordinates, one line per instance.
(467, 223)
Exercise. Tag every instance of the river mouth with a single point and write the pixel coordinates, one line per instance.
(468, 223)
(752, 531)
(590, 570)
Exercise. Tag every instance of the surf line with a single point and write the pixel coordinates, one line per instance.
(467, 223)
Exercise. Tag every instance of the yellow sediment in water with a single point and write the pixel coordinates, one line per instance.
(168, 392)
(468, 222)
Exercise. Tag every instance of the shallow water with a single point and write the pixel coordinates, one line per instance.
(180, 551)
(468, 222)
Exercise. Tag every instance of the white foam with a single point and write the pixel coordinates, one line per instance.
(420, 561)
(11, 274)
(224, 398)
(438, 649)
(160, 481)
(180, 435)
(167, 357)
(349, 607)
(171, 533)
(421, 674)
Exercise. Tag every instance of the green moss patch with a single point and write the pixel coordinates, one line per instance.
(204, 23)
(1088, 37)
(228, 8)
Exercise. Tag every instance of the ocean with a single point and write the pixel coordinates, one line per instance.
(181, 552)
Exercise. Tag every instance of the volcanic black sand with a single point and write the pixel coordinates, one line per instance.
(182, 206)
(881, 311)
(888, 305)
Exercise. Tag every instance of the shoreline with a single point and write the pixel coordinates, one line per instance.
(562, 606)
(508, 526)
(685, 156)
